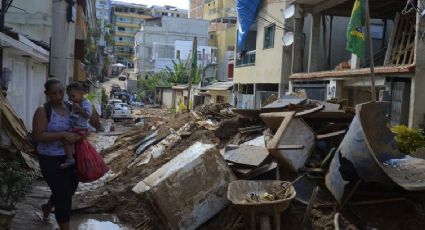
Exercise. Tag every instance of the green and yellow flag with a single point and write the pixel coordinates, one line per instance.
(355, 33)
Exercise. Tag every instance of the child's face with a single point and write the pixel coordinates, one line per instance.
(75, 96)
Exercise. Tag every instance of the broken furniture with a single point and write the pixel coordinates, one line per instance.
(370, 151)
(293, 140)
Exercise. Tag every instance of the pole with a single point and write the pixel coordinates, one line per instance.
(372, 64)
(192, 69)
(202, 68)
(2, 15)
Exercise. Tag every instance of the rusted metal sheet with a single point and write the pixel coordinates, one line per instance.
(370, 147)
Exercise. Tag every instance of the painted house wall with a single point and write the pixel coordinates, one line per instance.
(26, 88)
(268, 62)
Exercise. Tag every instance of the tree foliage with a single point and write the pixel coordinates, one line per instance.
(178, 73)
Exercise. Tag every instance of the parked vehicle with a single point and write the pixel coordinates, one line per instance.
(115, 88)
(121, 112)
(137, 104)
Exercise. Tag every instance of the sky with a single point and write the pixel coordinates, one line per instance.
(184, 4)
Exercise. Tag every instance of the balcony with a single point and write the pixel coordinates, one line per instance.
(246, 60)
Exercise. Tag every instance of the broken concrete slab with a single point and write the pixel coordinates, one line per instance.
(246, 155)
(191, 188)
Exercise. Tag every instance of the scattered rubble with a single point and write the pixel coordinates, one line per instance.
(169, 172)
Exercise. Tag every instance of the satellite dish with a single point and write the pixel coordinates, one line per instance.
(288, 39)
(289, 12)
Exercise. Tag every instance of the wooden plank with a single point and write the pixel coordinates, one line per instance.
(328, 135)
(310, 207)
(397, 40)
(289, 147)
(401, 44)
(309, 111)
(288, 116)
(409, 43)
(382, 70)
(392, 39)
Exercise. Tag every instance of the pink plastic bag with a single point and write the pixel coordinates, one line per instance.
(90, 165)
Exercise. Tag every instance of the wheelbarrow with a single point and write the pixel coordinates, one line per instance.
(240, 192)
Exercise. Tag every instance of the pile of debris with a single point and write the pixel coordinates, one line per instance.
(174, 170)
(14, 143)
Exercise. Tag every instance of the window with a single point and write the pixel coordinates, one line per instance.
(132, 10)
(377, 31)
(211, 36)
(178, 54)
(269, 36)
(178, 15)
(120, 38)
(121, 28)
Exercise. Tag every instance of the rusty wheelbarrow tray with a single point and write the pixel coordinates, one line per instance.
(239, 190)
(371, 148)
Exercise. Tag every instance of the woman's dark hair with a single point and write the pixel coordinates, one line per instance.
(49, 83)
(75, 86)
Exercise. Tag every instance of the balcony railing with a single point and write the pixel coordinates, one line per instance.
(247, 60)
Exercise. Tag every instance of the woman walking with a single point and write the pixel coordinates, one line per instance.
(51, 124)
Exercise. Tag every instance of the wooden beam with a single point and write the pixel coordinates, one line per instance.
(383, 70)
(289, 147)
(313, 53)
(326, 5)
(328, 135)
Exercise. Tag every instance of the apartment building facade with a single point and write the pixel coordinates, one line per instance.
(222, 34)
(170, 11)
(156, 43)
(103, 16)
(196, 9)
(126, 20)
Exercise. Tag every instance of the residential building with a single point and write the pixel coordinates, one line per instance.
(126, 19)
(218, 92)
(196, 9)
(162, 40)
(103, 16)
(31, 18)
(261, 64)
(25, 70)
(170, 11)
(397, 55)
(165, 97)
(69, 34)
(222, 34)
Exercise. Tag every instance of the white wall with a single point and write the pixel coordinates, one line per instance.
(35, 21)
(26, 88)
